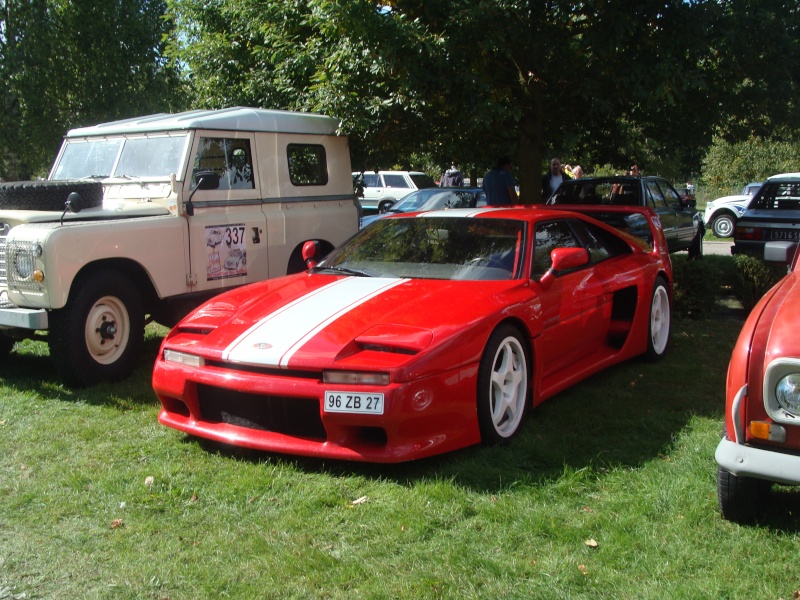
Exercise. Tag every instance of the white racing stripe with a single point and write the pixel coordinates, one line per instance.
(275, 338)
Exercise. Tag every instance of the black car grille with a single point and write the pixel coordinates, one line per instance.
(280, 414)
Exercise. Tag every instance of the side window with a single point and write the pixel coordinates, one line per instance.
(600, 243)
(548, 236)
(395, 181)
(230, 158)
(672, 197)
(656, 195)
(371, 180)
(308, 164)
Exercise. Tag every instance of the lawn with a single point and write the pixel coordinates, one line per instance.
(608, 492)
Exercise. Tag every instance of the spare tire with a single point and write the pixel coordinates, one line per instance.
(48, 195)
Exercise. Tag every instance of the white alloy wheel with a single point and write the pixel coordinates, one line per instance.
(659, 321)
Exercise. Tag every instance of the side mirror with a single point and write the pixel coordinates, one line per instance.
(206, 180)
(563, 259)
(74, 204)
(310, 254)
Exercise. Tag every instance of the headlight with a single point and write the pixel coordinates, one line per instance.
(183, 358)
(787, 392)
(355, 377)
(25, 260)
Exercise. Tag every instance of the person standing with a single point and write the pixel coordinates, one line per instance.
(452, 177)
(499, 184)
(634, 172)
(552, 179)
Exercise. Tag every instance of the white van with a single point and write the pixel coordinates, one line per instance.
(153, 215)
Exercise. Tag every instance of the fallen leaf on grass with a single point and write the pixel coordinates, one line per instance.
(148, 481)
(583, 569)
(592, 543)
(360, 500)
(117, 523)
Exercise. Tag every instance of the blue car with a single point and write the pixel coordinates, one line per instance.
(433, 199)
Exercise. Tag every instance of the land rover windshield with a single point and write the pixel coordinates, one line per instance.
(150, 157)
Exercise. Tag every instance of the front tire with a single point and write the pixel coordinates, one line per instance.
(741, 499)
(660, 321)
(696, 249)
(503, 381)
(723, 225)
(99, 334)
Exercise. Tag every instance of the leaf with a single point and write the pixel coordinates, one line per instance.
(591, 543)
(117, 523)
(360, 500)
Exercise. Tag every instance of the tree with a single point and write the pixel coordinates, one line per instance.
(66, 63)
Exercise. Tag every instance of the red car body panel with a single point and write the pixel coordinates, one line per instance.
(273, 340)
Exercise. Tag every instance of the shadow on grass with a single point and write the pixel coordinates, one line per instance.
(28, 368)
(624, 416)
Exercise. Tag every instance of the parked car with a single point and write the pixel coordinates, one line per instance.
(154, 215)
(433, 199)
(773, 215)
(682, 224)
(423, 333)
(761, 441)
(384, 188)
(722, 214)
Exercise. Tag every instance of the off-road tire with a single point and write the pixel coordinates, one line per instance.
(98, 335)
(48, 195)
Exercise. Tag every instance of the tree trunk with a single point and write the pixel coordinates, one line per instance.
(530, 152)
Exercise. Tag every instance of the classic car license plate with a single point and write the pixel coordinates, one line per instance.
(354, 402)
(785, 234)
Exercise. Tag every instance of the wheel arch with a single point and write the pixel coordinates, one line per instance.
(131, 269)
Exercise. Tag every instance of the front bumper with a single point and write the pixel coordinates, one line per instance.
(748, 461)
(22, 318)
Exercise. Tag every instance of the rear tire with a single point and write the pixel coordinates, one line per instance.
(660, 321)
(503, 383)
(98, 335)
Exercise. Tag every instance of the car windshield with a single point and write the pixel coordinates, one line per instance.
(433, 248)
(617, 192)
(141, 157)
(433, 199)
(778, 195)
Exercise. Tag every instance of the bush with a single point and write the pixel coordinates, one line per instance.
(696, 286)
(754, 278)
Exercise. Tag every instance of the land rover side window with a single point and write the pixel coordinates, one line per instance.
(230, 158)
(308, 164)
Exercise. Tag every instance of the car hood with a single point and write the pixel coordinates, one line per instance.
(736, 199)
(314, 321)
(784, 322)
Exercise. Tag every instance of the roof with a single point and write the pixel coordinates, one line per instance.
(232, 119)
(786, 176)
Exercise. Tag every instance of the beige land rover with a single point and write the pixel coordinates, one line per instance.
(145, 218)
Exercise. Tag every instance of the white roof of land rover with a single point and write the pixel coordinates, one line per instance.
(230, 119)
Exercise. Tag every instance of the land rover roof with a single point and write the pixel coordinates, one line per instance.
(231, 119)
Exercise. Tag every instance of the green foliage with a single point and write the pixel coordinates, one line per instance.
(754, 278)
(70, 63)
(697, 285)
(727, 166)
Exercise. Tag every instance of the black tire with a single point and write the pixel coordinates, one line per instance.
(385, 205)
(723, 225)
(741, 499)
(6, 345)
(48, 195)
(660, 321)
(98, 335)
(696, 249)
(503, 385)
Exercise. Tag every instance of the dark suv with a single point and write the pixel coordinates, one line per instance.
(770, 227)
(682, 224)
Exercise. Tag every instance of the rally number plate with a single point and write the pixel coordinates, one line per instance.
(354, 402)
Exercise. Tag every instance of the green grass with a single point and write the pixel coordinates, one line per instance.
(97, 500)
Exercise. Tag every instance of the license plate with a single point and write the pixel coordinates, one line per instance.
(785, 234)
(354, 402)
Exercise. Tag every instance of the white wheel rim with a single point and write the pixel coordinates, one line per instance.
(723, 227)
(107, 330)
(509, 387)
(659, 320)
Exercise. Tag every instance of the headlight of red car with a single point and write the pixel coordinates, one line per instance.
(782, 390)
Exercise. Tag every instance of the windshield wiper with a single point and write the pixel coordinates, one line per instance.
(348, 271)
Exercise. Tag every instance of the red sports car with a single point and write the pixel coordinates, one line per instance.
(422, 334)
(761, 444)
